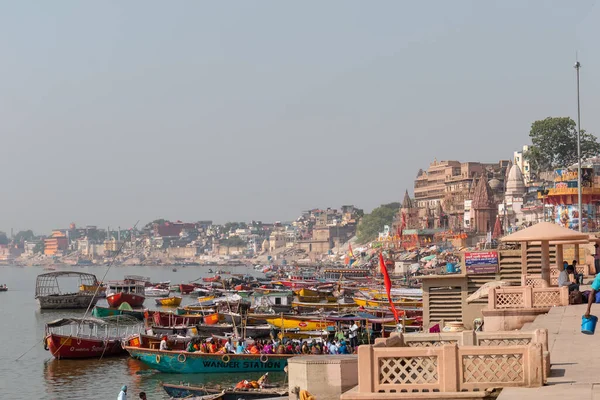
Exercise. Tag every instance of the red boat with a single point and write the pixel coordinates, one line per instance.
(81, 344)
(186, 288)
(215, 278)
(129, 292)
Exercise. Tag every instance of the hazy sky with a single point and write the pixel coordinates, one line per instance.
(118, 111)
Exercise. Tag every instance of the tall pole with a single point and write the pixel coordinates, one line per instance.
(577, 67)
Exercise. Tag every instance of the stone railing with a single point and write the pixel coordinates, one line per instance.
(446, 368)
(472, 338)
(510, 298)
(537, 281)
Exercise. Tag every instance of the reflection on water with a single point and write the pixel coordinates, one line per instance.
(36, 375)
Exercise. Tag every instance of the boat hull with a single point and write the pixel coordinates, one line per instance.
(299, 323)
(192, 363)
(169, 301)
(186, 391)
(66, 301)
(103, 312)
(63, 347)
(116, 299)
(361, 302)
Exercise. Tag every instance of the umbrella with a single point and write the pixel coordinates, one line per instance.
(497, 229)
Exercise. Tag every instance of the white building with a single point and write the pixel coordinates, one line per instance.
(523, 164)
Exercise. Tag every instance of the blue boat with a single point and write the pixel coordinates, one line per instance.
(182, 362)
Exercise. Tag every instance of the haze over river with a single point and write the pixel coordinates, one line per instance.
(37, 375)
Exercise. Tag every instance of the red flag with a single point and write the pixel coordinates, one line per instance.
(388, 286)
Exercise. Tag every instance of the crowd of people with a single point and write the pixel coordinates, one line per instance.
(271, 346)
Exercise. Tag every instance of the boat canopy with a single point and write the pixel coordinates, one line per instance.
(48, 284)
(76, 321)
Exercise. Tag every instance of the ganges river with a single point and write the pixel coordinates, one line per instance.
(27, 371)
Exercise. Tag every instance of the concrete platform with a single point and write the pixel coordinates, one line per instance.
(574, 357)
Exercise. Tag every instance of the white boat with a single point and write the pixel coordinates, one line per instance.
(156, 292)
(50, 294)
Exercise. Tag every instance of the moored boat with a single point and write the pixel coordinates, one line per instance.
(364, 302)
(298, 322)
(156, 292)
(168, 301)
(181, 362)
(128, 291)
(186, 288)
(187, 391)
(49, 294)
(124, 309)
(84, 339)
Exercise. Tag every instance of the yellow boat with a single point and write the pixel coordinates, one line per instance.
(301, 323)
(92, 289)
(326, 306)
(205, 298)
(314, 296)
(363, 302)
(169, 301)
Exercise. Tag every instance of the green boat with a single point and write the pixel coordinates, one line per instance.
(181, 362)
(124, 309)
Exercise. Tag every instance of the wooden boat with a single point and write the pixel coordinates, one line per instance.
(128, 291)
(100, 290)
(156, 292)
(50, 296)
(212, 279)
(79, 343)
(254, 331)
(3, 288)
(181, 362)
(103, 312)
(314, 296)
(168, 301)
(297, 322)
(161, 318)
(186, 288)
(364, 302)
(187, 391)
(300, 306)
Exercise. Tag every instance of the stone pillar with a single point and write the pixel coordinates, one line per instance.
(576, 253)
(546, 261)
(559, 257)
(326, 377)
(523, 263)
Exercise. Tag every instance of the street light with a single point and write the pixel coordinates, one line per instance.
(577, 67)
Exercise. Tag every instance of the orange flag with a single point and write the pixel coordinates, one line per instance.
(388, 286)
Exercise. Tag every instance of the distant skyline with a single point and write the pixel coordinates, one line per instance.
(113, 112)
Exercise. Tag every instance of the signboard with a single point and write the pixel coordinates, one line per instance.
(564, 178)
(568, 216)
(481, 262)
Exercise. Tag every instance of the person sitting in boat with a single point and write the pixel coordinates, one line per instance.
(289, 348)
(163, 344)
(240, 349)
(229, 347)
(268, 348)
(253, 349)
(212, 346)
(191, 347)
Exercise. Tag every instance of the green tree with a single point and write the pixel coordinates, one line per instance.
(39, 248)
(554, 144)
(3, 238)
(159, 221)
(232, 226)
(371, 224)
(22, 236)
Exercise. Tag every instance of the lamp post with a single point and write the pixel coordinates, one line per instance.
(577, 67)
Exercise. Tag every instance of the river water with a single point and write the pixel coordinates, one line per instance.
(27, 371)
